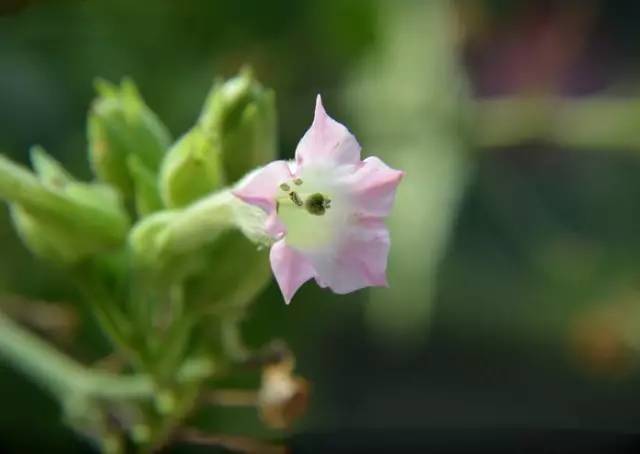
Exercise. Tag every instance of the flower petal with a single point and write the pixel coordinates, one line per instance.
(327, 142)
(373, 187)
(290, 267)
(360, 262)
(261, 187)
(274, 226)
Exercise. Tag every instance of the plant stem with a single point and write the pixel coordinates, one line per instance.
(61, 375)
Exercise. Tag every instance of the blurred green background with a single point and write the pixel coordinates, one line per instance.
(514, 273)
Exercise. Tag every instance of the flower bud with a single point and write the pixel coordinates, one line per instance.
(50, 172)
(191, 169)
(166, 235)
(120, 125)
(194, 241)
(146, 192)
(57, 217)
(242, 113)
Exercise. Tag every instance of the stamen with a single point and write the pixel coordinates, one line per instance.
(295, 198)
(316, 204)
(285, 187)
(297, 181)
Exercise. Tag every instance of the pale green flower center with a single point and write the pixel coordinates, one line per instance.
(306, 210)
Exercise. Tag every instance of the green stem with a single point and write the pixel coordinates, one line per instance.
(111, 319)
(61, 375)
(232, 342)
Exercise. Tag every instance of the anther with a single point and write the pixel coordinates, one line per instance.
(295, 198)
(285, 187)
(297, 181)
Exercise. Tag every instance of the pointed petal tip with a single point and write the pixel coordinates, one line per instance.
(290, 268)
(398, 175)
(391, 176)
(320, 113)
(288, 294)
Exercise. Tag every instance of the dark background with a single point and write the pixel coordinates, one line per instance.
(520, 329)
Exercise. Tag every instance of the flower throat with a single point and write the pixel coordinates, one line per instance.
(316, 203)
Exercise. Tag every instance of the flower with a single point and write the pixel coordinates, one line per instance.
(325, 211)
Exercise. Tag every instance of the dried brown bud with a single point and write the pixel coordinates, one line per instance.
(283, 397)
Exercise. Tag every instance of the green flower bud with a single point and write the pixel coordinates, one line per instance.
(121, 125)
(191, 169)
(242, 113)
(50, 172)
(158, 239)
(146, 192)
(147, 239)
(215, 247)
(57, 217)
(190, 244)
(50, 239)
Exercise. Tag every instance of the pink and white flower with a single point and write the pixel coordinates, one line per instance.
(326, 211)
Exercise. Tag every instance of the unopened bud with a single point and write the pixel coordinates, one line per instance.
(191, 169)
(58, 217)
(120, 125)
(242, 113)
(145, 187)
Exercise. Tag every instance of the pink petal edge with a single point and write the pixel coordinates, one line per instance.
(261, 188)
(263, 184)
(290, 267)
(373, 186)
